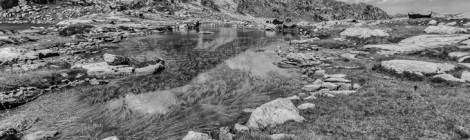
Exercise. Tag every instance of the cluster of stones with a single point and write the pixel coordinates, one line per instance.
(270, 114)
(331, 85)
(438, 36)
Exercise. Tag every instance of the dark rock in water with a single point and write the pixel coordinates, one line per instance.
(75, 29)
(7, 4)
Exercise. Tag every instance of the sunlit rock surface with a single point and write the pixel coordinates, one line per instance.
(274, 113)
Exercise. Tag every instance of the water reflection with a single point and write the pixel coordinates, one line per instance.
(213, 41)
(206, 59)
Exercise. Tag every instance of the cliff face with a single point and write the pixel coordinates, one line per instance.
(310, 9)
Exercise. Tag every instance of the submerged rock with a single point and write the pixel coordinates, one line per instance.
(444, 29)
(273, 113)
(364, 32)
(196, 136)
(417, 68)
(41, 135)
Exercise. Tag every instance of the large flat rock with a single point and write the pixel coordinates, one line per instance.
(419, 68)
(421, 42)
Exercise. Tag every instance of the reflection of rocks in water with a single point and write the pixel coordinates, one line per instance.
(158, 102)
(225, 35)
(260, 64)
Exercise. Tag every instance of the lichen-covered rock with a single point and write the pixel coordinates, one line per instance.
(444, 29)
(196, 136)
(274, 113)
(364, 32)
(417, 68)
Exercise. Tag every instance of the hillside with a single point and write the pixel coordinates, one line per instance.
(38, 11)
(310, 9)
